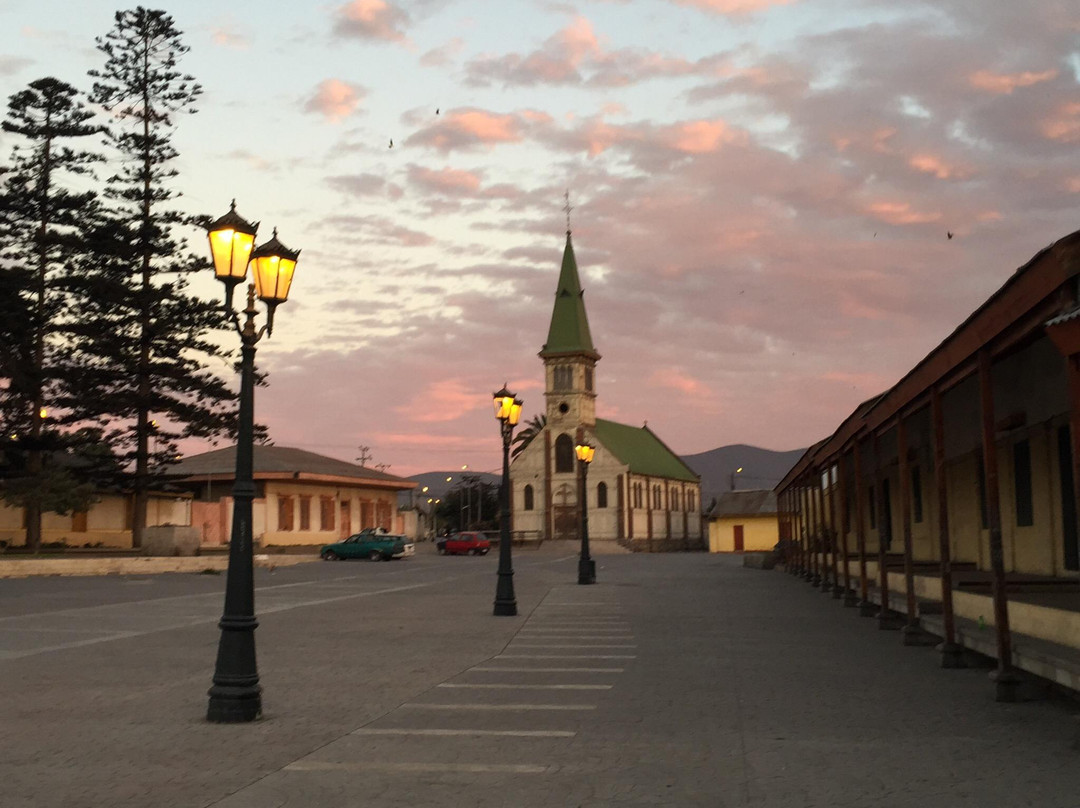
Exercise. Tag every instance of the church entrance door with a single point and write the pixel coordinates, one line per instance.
(566, 522)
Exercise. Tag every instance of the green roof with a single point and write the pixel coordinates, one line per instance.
(642, 451)
(569, 330)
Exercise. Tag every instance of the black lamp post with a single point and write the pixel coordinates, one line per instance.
(236, 696)
(508, 411)
(586, 570)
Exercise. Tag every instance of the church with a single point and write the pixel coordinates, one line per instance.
(640, 494)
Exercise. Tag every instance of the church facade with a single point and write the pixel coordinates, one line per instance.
(639, 493)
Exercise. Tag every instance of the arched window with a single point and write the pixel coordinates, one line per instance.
(675, 499)
(656, 497)
(637, 495)
(528, 497)
(563, 377)
(690, 500)
(564, 454)
(601, 495)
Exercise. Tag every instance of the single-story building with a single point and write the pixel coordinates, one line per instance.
(301, 498)
(742, 521)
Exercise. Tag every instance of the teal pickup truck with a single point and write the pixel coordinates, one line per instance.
(369, 544)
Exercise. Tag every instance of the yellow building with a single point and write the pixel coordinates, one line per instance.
(106, 523)
(301, 498)
(964, 475)
(743, 521)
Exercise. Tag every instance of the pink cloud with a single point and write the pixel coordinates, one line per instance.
(370, 19)
(471, 128)
(445, 181)
(1072, 184)
(931, 164)
(1005, 83)
(679, 380)
(443, 400)
(228, 37)
(1065, 123)
(444, 54)
(334, 99)
(732, 7)
(901, 213)
(700, 137)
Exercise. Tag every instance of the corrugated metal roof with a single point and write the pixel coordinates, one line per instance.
(753, 502)
(280, 460)
(642, 451)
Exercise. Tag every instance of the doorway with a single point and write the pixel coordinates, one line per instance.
(738, 530)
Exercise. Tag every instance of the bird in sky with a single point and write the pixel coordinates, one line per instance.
(949, 234)
(436, 110)
(392, 146)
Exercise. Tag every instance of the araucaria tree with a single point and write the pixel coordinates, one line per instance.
(147, 341)
(43, 221)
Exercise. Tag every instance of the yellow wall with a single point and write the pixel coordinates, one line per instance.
(272, 534)
(105, 521)
(759, 533)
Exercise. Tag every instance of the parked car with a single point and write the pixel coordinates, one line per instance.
(464, 543)
(369, 544)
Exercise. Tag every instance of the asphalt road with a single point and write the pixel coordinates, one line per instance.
(677, 680)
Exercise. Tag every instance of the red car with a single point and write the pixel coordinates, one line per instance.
(465, 543)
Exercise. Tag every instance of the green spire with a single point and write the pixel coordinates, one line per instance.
(569, 330)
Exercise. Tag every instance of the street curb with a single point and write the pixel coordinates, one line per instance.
(32, 567)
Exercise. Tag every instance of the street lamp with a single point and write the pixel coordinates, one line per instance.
(236, 696)
(508, 411)
(586, 570)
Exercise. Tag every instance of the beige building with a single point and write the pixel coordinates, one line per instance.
(107, 522)
(960, 483)
(640, 493)
(301, 498)
(743, 521)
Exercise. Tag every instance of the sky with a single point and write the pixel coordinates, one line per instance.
(761, 191)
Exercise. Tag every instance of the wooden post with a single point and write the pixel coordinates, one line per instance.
(866, 608)
(821, 578)
(1005, 677)
(886, 617)
(912, 634)
(834, 530)
(951, 656)
(845, 528)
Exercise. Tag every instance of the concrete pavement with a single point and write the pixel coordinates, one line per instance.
(677, 680)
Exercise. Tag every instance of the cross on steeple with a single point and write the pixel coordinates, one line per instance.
(567, 207)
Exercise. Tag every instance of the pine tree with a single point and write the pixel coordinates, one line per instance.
(42, 224)
(146, 341)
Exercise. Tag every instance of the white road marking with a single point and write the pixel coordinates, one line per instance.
(469, 768)
(518, 644)
(523, 687)
(566, 656)
(509, 733)
(548, 670)
(509, 707)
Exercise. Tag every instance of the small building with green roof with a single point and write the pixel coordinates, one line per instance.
(639, 493)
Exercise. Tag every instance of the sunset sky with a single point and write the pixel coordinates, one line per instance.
(762, 191)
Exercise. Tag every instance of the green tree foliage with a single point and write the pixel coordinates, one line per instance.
(146, 343)
(525, 435)
(42, 233)
(472, 504)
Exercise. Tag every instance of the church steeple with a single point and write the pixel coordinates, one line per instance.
(569, 329)
(569, 356)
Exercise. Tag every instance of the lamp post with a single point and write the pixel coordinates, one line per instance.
(236, 696)
(586, 571)
(508, 411)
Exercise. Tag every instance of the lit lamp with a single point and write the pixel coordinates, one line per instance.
(508, 412)
(236, 696)
(586, 566)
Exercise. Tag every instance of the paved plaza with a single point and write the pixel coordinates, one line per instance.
(678, 680)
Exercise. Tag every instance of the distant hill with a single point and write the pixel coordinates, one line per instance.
(761, 468)
(438, 485)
